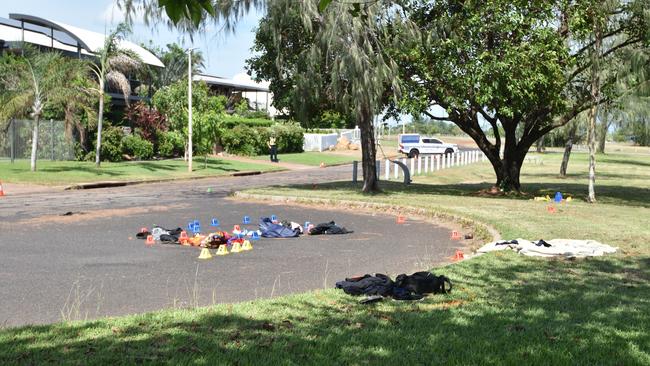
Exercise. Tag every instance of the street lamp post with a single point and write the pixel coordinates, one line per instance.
(189, 109)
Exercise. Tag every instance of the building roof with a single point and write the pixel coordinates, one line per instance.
(228, 83)
(88, 42)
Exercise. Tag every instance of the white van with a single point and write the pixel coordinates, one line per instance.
(412, 144)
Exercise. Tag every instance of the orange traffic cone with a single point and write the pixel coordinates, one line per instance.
(455, 235)
(2, 192)
(551, 209)
(183, 239)
(401, 219)
(150, 240)
(458, 256)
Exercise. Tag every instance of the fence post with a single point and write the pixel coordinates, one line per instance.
(13, 140)
(378, 169)
(387, 169)
(52, 136)
(396, 173)
(355, 165)
(419, 164)
(412, 170)
(438, 162)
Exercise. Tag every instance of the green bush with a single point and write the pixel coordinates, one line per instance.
(171, 144)
(234, 121)
(111, 145)
(138, 147)
(246, 140)
(289, 137)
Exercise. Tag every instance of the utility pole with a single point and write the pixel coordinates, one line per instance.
(189, 109)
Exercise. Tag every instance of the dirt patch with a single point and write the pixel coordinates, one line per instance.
(76, 216)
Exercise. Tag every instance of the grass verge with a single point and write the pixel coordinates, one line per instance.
(505, 308)
(67, 172)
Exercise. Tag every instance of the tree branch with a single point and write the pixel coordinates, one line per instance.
(436, 118)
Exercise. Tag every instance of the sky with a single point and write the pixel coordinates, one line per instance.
(224, 54)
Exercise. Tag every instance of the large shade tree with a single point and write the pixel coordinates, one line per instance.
(523, 66)
(27, 84)
(350, 36)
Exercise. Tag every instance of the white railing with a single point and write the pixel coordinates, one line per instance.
(428, 164)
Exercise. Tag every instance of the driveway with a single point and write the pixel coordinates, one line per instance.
(89, 264)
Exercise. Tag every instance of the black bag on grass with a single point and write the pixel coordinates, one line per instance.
(423, 283)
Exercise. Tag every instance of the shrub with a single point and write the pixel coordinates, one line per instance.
(171, 144)
(289, 137)
(148, 120)
(245, 140)
(111, 144)
(138, 147)
(233, 121)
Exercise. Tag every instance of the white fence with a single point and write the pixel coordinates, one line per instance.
(319, 142)
(425, 164)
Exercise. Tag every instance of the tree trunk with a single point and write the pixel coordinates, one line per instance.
(602, 131)
(567, 149)
(508, 171)
(100, 118)
(368, 152)
(540, 145)
(34, 142)
(593, 111)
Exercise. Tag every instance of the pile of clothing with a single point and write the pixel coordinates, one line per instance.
(557, 247)
(290, 229)
(405, 287)
(329, 228)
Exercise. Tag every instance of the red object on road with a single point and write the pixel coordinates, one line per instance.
(2, 192)
(455, 235)
(150, 240)
(401, 219)
(144, 230)
(458, 256)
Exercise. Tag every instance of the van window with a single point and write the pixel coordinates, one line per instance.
(410, 139)
(435, 141)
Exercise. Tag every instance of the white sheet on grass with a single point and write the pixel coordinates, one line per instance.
(559, 247)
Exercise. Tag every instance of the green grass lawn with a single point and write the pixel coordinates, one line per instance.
(67, 172)
(505, 308)
(313, 158)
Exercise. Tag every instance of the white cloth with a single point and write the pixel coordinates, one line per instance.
(559, 247)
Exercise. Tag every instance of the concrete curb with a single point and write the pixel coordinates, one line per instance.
(110, 184)
(418, 213)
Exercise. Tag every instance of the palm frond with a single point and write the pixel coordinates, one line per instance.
(117, 80)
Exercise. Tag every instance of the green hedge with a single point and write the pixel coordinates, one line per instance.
(171, 144)
(246, 140)
(137, 147)
(234, 121)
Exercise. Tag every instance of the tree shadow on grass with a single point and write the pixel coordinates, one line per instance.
(614, 194)
(82, 168)
(627, 162)
(505, 309)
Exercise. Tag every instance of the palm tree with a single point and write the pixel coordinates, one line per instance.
(76, 98)
(112, 66)
(28, 83)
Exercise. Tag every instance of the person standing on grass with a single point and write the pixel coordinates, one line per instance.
(273, 149)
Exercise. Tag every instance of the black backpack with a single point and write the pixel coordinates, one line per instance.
(423, 283)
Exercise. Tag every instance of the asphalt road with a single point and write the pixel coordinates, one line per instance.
(90, 265)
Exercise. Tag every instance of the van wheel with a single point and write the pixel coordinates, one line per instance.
(449, 151)
(414, 153)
